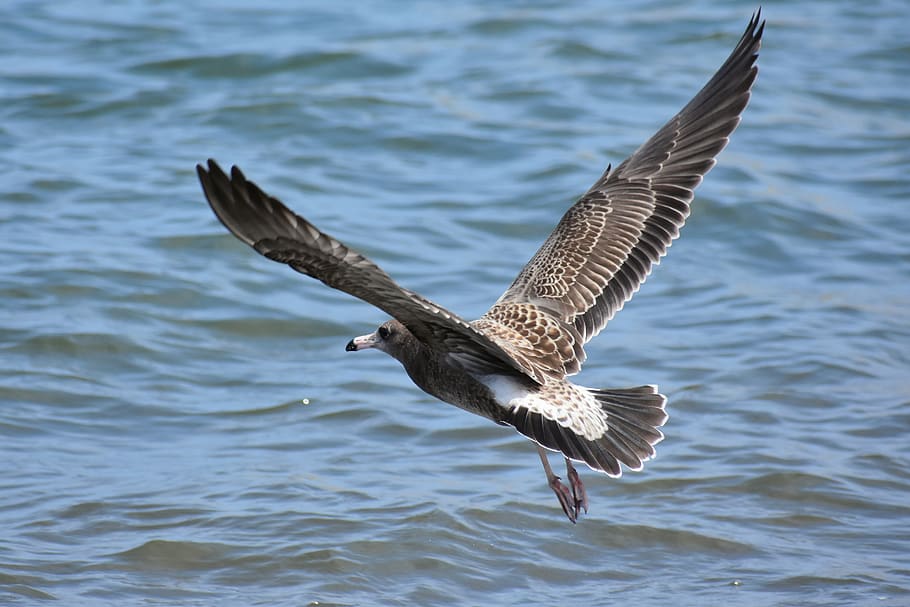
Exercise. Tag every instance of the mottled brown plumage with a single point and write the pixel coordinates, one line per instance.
(605, 245)
(511, 364)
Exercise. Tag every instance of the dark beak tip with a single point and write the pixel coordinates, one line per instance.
(351, 347)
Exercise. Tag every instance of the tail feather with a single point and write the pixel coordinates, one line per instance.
(638, 412)
(633, 419)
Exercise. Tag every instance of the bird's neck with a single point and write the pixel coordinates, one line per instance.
(417, 359)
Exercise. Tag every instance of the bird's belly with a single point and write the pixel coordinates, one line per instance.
(465, 392)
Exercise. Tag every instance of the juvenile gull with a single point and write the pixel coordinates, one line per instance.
(511, 364)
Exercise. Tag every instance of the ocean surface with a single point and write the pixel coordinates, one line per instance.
(180, 423)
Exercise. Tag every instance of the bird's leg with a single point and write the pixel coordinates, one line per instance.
(578, 488)
(566, 498)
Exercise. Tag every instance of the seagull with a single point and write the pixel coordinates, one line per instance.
(512, 364)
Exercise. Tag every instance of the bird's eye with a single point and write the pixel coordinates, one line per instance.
(384, 332)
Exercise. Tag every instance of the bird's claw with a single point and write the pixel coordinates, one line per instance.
(566, 499)
(579, 495)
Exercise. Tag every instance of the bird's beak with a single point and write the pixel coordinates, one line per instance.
(362, 343)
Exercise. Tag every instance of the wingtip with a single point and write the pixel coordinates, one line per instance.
(756, 25)
(210, 166)
(237, 175)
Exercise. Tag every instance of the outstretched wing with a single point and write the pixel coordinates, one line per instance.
(605, 245)
(268, 226)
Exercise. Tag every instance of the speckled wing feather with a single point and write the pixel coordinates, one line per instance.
(605, 245)
(273, 230)
(539, 342)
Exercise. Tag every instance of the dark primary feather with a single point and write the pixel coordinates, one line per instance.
(268, 226)
(605, 245)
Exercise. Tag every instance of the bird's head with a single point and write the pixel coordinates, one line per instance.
(391, 337)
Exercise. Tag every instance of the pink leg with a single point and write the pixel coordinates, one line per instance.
(567, 499)
(578, 489)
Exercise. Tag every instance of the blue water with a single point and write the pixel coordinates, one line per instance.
(180, 424)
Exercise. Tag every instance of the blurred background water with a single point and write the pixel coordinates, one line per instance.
(180, 424)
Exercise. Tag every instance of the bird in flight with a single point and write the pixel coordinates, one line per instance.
(511, 365)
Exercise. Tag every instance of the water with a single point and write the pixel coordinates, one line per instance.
(180, 424)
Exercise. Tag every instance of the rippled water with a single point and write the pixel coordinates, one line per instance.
(180, 424)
